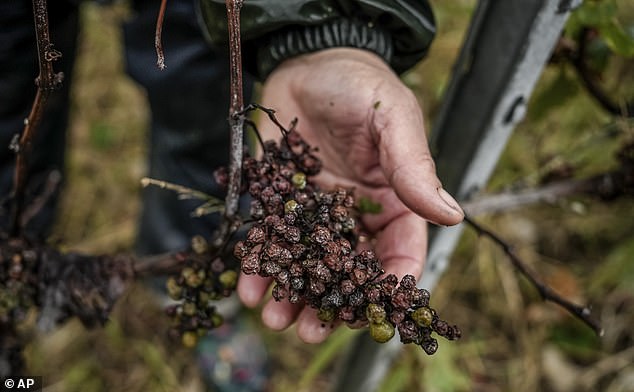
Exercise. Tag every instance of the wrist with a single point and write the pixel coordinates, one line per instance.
(307, 71)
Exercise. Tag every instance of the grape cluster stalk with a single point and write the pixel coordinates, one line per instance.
(305, 239)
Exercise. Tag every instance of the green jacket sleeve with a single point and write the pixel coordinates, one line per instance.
(400, 31)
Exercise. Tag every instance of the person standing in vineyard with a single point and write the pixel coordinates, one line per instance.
(332, 64)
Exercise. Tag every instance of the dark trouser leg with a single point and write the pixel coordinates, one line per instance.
(189, 131)
(18, 70)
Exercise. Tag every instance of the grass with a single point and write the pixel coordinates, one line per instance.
(512, 340)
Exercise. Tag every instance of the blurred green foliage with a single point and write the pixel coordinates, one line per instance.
(603, 15)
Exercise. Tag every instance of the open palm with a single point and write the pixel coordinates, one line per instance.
(369, 129)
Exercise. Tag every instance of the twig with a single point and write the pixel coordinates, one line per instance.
(47, 81)
(271, 114)
(254, 127)
(547, 293)
(52, 184)
(606, 186)
(578, 60)
(158, 36)
(183, 191)
(605, 366)
(236, 118)
(157, 265)
(236, 122)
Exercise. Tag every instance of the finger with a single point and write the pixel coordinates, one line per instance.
(252, 288)
(409, 167)
(312, 330)
(279, 315)
(402, 245)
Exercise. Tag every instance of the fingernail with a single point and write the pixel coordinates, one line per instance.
(450, 201)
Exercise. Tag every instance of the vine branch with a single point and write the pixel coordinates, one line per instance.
(606, 186)
(158, 36)
(548, 294)
(47, 81)
(236, 121)
(157, 265)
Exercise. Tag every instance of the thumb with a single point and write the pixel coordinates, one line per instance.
(407, 163)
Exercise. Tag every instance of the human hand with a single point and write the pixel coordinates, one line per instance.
(369, 129)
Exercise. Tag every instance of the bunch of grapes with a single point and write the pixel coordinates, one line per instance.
(205, 279)
(305, 240)
(18, 280)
